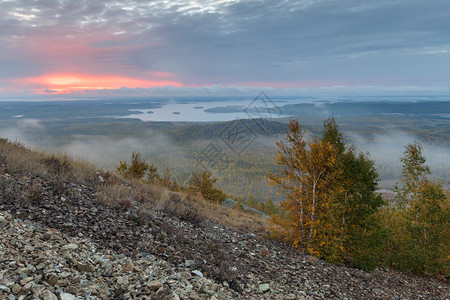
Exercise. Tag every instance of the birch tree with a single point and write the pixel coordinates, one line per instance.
(304, 178)
(330, 195)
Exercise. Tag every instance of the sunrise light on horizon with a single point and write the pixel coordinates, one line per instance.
(69, 83)
(82, 47)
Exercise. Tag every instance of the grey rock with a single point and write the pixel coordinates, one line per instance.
(26, 280)
(154, 285)
(29, 285)
(197, 272)
(28, 248)
(175, 296)
(123, 280)
(67, 296)
(189, 263)
(230, 203)
(84, 267)
(48, 295)
(5, 289)
(2, 274)
(174, 277)
(52, 279)
(7, 282)
(16, 289)
(70, 247)
(264, 287)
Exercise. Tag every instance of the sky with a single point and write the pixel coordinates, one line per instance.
(84, 48)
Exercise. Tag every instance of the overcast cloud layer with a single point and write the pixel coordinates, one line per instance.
(267, 43)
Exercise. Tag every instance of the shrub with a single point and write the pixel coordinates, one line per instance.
(203, 183)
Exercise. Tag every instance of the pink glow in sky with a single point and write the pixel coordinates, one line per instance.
(72, 82)
(70, 46)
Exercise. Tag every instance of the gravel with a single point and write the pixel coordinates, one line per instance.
(60, 242)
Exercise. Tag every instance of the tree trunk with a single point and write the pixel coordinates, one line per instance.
(313, 210)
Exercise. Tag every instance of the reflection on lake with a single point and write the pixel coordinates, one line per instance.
(208, 111)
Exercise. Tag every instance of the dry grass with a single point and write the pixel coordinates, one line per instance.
(186, 206)
(120, 192)
(180, 205)
(130, 193)
(232, 217)
(209, 210)
(16, 158)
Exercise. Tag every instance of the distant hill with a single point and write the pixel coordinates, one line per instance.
(439, 109)
(206, 131)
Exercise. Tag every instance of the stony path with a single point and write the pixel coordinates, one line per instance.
(94, 251)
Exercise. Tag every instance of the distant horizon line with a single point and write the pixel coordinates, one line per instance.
(228, 91)
(311, 98)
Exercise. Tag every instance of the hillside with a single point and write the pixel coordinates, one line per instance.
(68, 230)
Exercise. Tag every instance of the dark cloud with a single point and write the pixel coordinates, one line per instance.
(347, 42)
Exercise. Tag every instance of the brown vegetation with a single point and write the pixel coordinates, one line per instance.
(122, 192)
(23, 160)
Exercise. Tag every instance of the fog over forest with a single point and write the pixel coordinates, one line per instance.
(106, 151)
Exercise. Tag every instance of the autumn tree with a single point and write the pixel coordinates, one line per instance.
(305, 179)
(203, 183)
(330, 203)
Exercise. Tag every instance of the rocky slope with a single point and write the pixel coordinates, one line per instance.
(57, 241)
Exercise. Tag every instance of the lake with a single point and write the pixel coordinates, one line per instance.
(210, 111)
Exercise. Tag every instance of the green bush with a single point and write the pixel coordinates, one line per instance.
(203, 183)
(419, 220)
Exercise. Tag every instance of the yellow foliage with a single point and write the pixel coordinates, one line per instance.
(306, 182)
